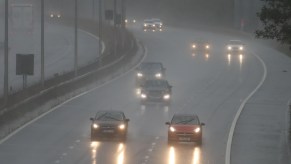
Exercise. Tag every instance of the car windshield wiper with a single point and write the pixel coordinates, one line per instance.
(112, 118)
(185, 121)
(101, 116)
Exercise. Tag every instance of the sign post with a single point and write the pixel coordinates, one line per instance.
(24, 66)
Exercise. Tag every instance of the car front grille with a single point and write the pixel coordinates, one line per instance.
(156, 94)
(185, 134)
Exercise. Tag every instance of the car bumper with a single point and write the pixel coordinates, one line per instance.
(184, 137)
(107, 133)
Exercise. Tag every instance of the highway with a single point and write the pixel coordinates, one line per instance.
(212, 86)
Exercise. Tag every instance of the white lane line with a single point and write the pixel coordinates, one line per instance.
(233, 125)
(95, 37)
(287, 119)
(71, 99)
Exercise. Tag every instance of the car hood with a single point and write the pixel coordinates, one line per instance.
(156, 89)
(185, 128)
(109, 122)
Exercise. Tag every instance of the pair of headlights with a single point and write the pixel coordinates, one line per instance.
(230, 48)
(121, 126)
(166, 96)
(147, 25)
(196, 130)
(206, 46)
(157, 75)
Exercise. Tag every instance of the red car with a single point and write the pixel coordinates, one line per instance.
(185, 128)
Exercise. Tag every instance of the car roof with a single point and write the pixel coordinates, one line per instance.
(235, 41)
(185, 114)
(110, 111)
(148, 20)
(151, 63)
(156, 19)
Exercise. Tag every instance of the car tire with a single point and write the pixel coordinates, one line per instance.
(123, 138)
(199, 142)
(170, 143)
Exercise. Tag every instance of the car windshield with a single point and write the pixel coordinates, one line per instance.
(151, 66)
(156, 20)
(148, 21)
(156, 83)
(109, 116)
(235, 42)
(185, 120)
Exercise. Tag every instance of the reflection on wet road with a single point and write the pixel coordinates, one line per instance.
(118, 157)
(184, 154)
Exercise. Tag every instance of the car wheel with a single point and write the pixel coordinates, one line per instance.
(170, 143)
(123, 138)
(199, 142)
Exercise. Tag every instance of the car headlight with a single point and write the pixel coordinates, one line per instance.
(145, 25)
(193, 46)
(138, 91)
(95, 126)
(143, 96)
(51, 15)
(197, 130)
(207, 46)
(59, 15)
(134, 21)
(125, 20)
(139, 74)
(172, 129)
(154, 25)
(241, 48)
(158, 75)
(167, 96)
(122, 126)
(229, 47)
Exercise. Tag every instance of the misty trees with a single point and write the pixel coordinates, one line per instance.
(276, 18)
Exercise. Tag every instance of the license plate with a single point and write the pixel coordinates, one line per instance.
(108, 131)
(184, 139)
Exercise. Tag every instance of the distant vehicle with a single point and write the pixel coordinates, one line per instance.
(129, 21)
(235, 46)
(158, 24)
(109, 124)
(156, 91)
(200, 47)
(149, 25)
(55, 14)
(149, 70)
(185, 128)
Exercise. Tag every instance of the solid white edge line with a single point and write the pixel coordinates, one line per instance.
(71, 99)
(95, 37)
(288, 128)
(233, 125)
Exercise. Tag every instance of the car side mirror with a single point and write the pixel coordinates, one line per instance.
(167, 123)
(202, 124)
(127, 120)
(92, 119)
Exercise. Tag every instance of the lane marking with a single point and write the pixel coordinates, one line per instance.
(233, 125)
(77, 96)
